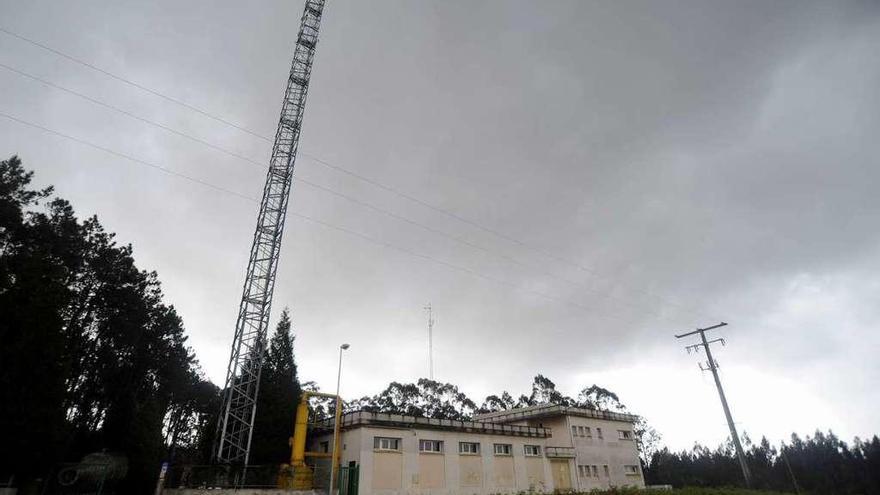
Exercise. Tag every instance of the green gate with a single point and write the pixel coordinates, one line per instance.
(348, 479)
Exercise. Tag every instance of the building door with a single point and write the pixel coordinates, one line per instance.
(348, 479)
(561, 474)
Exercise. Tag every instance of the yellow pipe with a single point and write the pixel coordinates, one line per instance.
(300, 428)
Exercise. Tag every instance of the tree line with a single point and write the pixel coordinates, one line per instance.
(93, 360)
(91, 357)
(428, 398)
(821, 464)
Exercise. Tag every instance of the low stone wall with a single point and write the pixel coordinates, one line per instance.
(238, 491)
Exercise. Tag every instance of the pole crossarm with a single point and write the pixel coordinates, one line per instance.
(700, 330)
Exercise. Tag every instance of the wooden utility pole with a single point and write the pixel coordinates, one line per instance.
(713, 367)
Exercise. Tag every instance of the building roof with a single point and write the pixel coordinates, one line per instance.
(358, 419)
(551, 410)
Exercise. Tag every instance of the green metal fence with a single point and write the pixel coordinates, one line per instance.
(348, 480)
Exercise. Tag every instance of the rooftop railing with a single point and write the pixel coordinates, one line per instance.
(546, 410)
(366, 418)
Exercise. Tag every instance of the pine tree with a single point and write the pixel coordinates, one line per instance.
(90, 356)
(279, 395)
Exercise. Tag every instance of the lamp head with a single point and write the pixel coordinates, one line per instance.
(344, 346)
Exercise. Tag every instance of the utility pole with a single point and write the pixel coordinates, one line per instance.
(430, 341)
(713, 367)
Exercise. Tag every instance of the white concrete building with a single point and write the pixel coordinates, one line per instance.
(540, 448)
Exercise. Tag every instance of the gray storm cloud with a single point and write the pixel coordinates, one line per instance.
(683, 162)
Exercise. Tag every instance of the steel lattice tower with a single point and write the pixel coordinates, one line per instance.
(243, 374)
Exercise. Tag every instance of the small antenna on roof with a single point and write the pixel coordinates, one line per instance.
(430, 341)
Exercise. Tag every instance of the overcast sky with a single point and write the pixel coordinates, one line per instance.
(646, 168)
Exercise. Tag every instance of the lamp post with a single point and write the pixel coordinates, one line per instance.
(335, 456)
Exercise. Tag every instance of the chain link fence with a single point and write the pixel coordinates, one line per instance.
(224, 476)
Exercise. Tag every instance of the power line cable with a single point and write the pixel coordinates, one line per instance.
(129, 157)
(320, 187)
(343, 170)
(365, 237)
(132, 83)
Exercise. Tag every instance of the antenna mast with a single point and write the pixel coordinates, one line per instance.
(430, 341)
(233, 439)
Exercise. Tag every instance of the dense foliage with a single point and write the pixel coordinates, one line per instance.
(427, 398)
(91, 358)
(279, 395)
(822, 464)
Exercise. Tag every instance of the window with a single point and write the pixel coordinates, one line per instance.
(574, 431)
(599, 433)
(631, 470)
(581, 431)
(624, 435)
(468, 448)
(605, 467)
(503, 449)
(588, 433)
(595, 469)
(385, 443)
(532, 450)
(435, 446)
(582, 471)
(324, 447)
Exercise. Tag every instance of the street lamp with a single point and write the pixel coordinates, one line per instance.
(333, 462)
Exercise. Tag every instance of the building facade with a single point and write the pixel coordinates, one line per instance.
(540, 448)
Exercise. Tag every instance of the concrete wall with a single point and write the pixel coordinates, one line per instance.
(449, 473)
(237, 491)
(409, 471)
(606, 451)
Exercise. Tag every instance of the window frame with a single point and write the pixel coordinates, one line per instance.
(624, 435)
(537, 450)
(507, 449)
(377, 444)
(434, 443)
(475, 445)
(631, 470)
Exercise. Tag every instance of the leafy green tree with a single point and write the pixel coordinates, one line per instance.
(425, 398)
(543, 392)
(494, 403)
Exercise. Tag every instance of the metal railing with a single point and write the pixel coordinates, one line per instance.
(215, 476)
(364, 418)
(546, 410)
